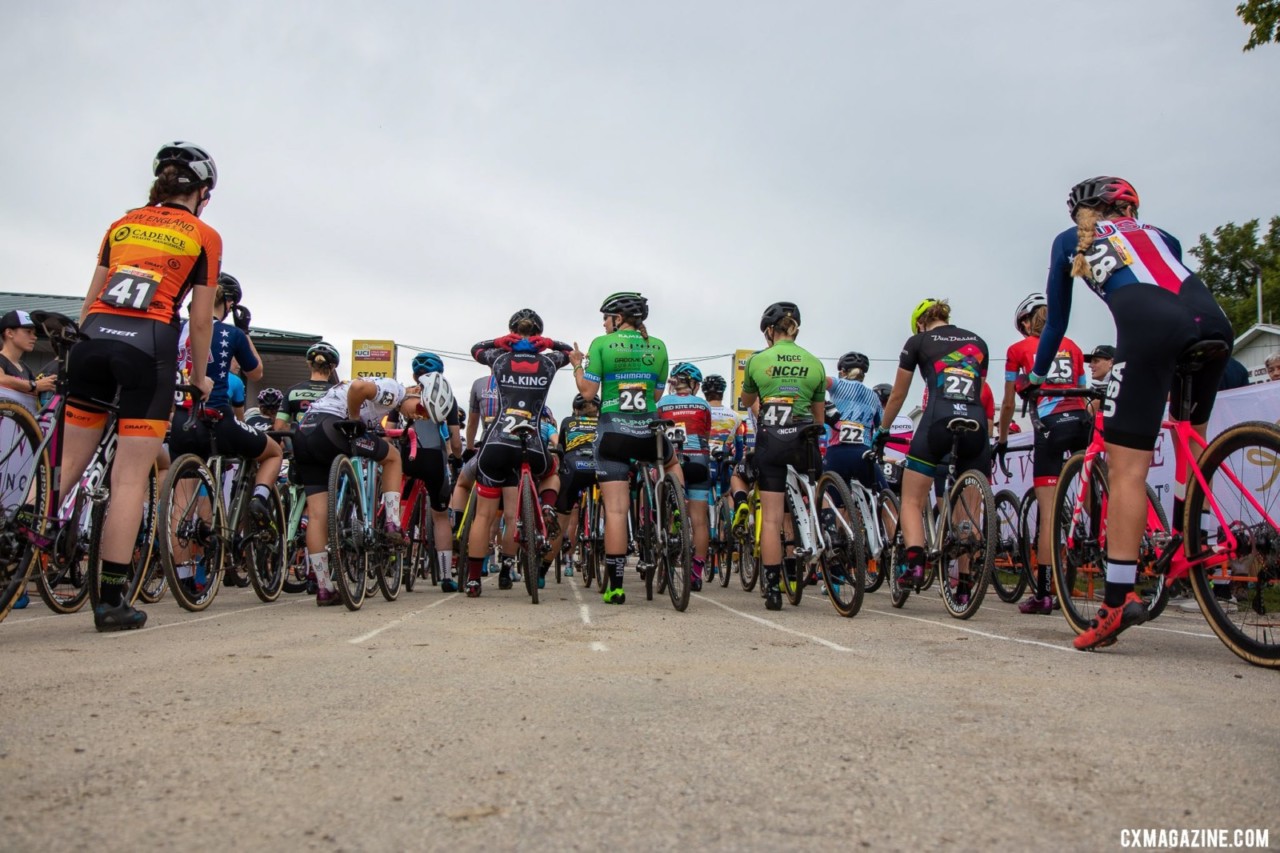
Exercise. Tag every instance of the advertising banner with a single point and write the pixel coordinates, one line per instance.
(373, 359)
(739, 372)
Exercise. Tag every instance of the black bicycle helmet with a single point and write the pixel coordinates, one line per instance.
(270, 398)
(194, 158)
(525, 314)
(883, 390)
(229, 287)
(323, 353)
(853, 360)
(628, 304)
(775, 312)
(1099, 191)
(714, 385)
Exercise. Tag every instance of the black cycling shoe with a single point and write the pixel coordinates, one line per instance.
(504, 580)
(772, 598)
(122, 617)
(260, 512)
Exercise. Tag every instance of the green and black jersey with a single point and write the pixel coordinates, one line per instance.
(631, 371)
(791, 384)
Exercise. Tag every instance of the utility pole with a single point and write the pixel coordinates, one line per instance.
(1256, 269)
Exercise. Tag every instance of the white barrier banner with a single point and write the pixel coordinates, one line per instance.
(1252, 403)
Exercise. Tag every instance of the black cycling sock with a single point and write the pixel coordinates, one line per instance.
(546, 567)
(114, 576)
(739, 498)
(1116, 593)
(915, 557)
(1042, 580)
(475, 565)
(772, 574)
(614, 565)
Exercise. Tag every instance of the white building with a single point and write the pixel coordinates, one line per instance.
(1255, 346)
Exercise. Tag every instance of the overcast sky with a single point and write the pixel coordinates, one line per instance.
(419, 171)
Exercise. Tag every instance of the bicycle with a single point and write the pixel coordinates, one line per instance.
(1234, 570)
(966, 531)
(61, 546)
(204, 506)
(293, 501)
(664, 541)
(418, 525)
(360, 550)
(589, 537)
(827, 535)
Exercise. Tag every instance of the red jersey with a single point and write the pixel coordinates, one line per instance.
(1065, 371)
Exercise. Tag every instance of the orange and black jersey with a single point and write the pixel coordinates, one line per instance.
(154, 256)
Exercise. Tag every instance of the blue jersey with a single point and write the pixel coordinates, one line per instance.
(1124, 252)
(235, 390)
(860, 412)
(225, 344)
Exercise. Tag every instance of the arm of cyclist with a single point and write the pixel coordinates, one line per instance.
(1058, 293)
(588, 388)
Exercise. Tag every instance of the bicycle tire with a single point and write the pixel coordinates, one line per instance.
(266, 552)
(792, 587)
(415, 560)
(1009, 572)
(16, 559)
(61, 574)
(527, 546)
(1254, 568)
(347, 564)
(676, 543)
(887, 511)
(387, 560)
(982, 556)
(143, 549)
(155, 584)
(1153, 586)
(1029, 535)
(874, 575)
(299, 567)
(725, 541)
(198, 541)
(844, 559)
(646, 537)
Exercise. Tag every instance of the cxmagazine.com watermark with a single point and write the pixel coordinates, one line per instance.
(1192, 839)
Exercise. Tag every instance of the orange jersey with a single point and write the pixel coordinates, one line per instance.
(154, 256)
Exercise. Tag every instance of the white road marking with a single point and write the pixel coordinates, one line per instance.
(599, 647)
(951, 625)
(585, 613)
(394, 622)
(1175, 631)
(256, 608)
(810, 637)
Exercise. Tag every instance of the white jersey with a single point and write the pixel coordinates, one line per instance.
(389, 397)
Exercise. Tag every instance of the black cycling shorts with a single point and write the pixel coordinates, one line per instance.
(235, 438)
(1153, 326)
(1057, 437)
(847, 462)
(429, 465)
(498, 463)
(139, 362)
(621, 440)
(577, 473)
(775, 452)
(932, 442)
(317, 442)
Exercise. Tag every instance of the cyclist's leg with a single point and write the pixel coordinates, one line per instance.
(486, 512)
(917, 485)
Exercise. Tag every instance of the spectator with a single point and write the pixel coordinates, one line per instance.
(1273, 367)
(17, 382)
(1100, 361)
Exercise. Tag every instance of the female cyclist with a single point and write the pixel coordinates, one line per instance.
(1160, 308)
(151, 260)
(791, 385)
(860, 414)
(437, 439)
(323, 360)
(953, 363)
(692, 415)
(628, 368)
(1061, 427)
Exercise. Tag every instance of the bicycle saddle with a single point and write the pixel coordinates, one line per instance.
(1195, 357)
(812, 431)
(57, 326)
(964, 425)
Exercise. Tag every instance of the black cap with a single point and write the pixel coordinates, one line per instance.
(1102, 351)
(17, 320)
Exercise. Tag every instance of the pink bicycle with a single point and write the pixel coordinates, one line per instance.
(1228, 544)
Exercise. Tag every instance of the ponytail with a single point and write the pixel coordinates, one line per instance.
(1087, 219)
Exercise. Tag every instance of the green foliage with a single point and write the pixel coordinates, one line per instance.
(1222, 268)
(1264, 18)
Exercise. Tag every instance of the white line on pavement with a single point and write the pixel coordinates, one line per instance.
(776, 626)
(255, 608)
(599, 647)
(1175, 631)
(394, 622)
(585, 613)
(953, 626)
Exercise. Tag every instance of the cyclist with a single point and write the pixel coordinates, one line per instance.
(235, 438)
(627, 367)
(953, 363)
(437, 441)
(577, 462)
(1160, 308)
(269, 401)
(323, 360)
(743, 478)
(692, 416)
(1061, 427)
(860, 413)
(318, 441)
(151, 260)
(523, 364)
(724, 439)
(790, 384)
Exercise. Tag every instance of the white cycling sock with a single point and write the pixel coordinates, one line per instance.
(446, 564)
(320, 565)
(391, 503)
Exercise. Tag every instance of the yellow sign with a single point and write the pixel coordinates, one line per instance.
(373, 359)
(739, 373)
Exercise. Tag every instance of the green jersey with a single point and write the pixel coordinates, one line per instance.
(631, 371)
(790, 382)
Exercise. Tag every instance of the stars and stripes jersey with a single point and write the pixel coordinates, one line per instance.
(1125, 252)
(153, 257)
(860, 411)
(692, 416)
(1066, 370)
(225, 343)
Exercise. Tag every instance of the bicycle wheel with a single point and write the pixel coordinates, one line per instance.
(792, 580)
(1240, 597)
(62, 572)
(387, 561)
(527, 538)
(266, 555)
(675, 543)
(873, 577)
(192, 532)
(417, 532)
(155, 583)
(347, 560)
(844, 559)
(1008, 572)
(143, 548)
(1078, 558)
(19, 443)
(887, 509)
(646, 537)
(725, 543)
(972, 530)
(1153, 586)
(1029, 533)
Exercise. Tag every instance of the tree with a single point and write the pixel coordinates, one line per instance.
(1222, 268)
(1264, 17)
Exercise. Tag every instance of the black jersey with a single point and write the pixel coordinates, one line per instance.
(523, 380)
(953, 363)
(300, 397)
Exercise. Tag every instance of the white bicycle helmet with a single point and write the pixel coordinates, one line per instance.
(437, 396)
(1026, 307)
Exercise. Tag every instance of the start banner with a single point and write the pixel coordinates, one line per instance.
(739, 374)
(373, 359)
